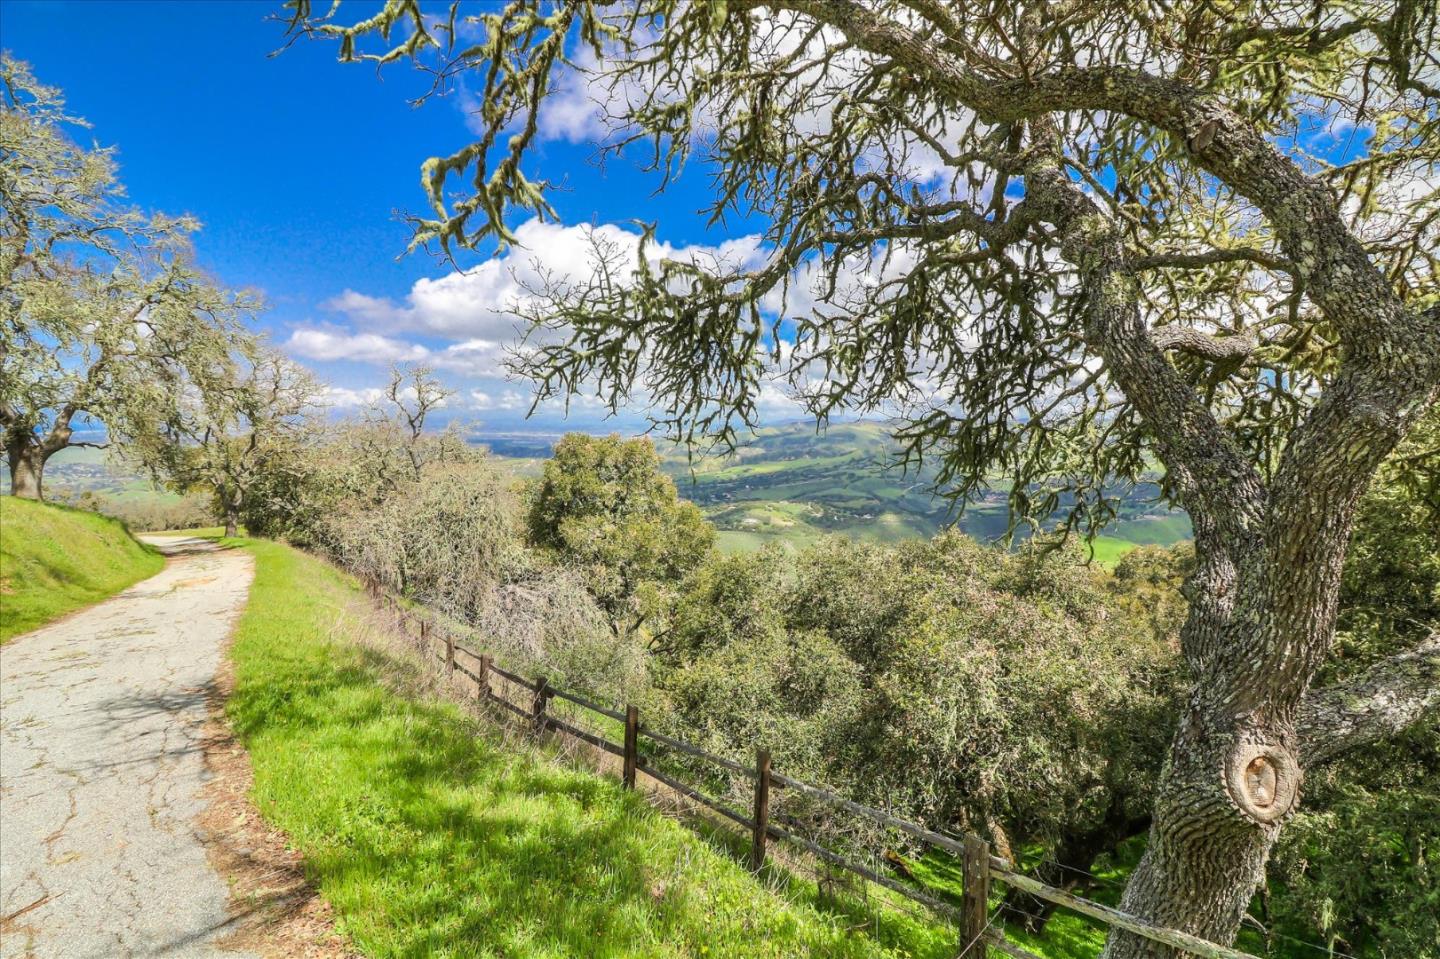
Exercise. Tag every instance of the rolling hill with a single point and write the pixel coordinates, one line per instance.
(792, 485)
(785, 484)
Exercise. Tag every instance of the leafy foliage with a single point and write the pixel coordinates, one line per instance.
(939, 679)
(604, 506)
(224, 441)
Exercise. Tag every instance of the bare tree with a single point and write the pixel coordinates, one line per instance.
(1066, 240)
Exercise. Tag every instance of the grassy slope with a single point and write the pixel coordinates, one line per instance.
(430, 839)
(54, 559)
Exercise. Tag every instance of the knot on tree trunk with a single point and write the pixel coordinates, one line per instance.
(1263, 781)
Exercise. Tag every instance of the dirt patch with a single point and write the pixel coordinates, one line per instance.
(277, 913)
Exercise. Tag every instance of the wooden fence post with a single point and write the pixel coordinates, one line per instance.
(482, 683)
(424, 634)
(974, 913)
(632, 744)
(761, 831)
(449, 652)
(537, 707)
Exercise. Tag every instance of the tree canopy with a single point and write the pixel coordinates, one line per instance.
(603, 505)
(105, 321)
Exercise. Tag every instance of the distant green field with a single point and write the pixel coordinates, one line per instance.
(786, 484)
(79, 469)
(1108, 549)
(790, 485)
(54, 559)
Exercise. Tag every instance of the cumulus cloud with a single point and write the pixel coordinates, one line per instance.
(509, 400)
(336, 343)
(344, 397)
(469, 357)
(478, 305)
(462, 324)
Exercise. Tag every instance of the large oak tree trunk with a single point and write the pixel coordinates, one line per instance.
(1255, 637)
(27, 469)
(230, 502)
(1269, 555)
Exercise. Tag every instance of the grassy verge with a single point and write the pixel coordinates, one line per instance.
(54, 559)
(431, 839)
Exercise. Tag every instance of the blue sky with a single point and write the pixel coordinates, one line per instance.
(297, 165)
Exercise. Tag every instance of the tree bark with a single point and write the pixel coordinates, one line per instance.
(26, 452)
(27, 468)
(230, 501)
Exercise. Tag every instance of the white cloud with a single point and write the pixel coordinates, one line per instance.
(347, 397)
(478, 305)
(335, 343)
(331, 343)
(509, 400)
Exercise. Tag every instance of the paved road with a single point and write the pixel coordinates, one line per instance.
(102, 764)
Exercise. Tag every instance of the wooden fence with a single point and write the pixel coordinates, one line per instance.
(978, 931)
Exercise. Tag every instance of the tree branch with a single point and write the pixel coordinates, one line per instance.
(1197, 261)
(1216, 483)
(1387, 699)
(1198, 343)
(1341, 279)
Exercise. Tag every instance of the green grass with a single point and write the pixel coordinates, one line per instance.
(431, 839)
(1108, 549)
(54, 559)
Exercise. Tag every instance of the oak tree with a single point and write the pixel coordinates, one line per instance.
(1064, 242)
(226, 440)
(104, 318)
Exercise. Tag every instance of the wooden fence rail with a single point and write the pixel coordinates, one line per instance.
(978, 930)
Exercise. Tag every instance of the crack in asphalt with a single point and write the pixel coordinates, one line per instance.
(102, 764)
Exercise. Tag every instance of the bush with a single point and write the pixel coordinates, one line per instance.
(148, 514)
(928, 678)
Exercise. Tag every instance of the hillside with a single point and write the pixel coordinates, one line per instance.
(54, 559)
(431, 832)
(792, 485)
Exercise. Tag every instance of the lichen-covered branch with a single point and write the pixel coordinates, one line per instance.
(1392, 696)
